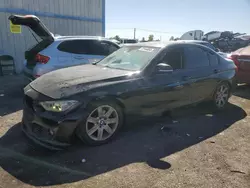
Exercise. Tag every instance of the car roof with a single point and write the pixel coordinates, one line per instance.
(163, 44)
(63, 38)
(195, 41)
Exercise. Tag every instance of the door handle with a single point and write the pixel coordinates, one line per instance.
(216, 71)
(186, 78)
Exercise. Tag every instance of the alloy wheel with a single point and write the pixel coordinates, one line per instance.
(221, 96)
(102, 123)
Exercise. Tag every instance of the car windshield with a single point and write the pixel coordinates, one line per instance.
(132, 58)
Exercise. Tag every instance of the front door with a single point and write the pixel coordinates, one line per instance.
(162, 91)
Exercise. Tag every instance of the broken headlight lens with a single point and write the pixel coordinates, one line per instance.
(59, 106)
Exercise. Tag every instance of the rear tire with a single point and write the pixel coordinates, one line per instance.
(221, 96)
(101, 123)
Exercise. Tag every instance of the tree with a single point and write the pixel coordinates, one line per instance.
(171, 38)
(150, 37)
(116, 38)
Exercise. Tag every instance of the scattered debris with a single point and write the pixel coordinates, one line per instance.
(209, 115)
(175, 121)
(237, 171)
(83, 160)
(188, 135)
(166, 129)
(222, 134)
(200, 137)
(1, 95)
(212, 142)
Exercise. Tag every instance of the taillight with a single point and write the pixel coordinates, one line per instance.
(235, 59)
(37, 76)
(42, 59)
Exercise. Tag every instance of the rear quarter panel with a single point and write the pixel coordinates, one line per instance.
(227, 71)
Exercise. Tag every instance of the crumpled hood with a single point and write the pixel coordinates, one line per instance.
(69, 81)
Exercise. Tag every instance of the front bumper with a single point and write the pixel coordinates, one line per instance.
(47, 133)
(48, 130)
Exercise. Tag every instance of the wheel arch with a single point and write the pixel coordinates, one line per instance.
(112, 98)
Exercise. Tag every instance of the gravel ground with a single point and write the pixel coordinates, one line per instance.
(196, 148)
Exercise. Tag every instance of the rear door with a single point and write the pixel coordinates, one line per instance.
(202, 78)
(85, 52)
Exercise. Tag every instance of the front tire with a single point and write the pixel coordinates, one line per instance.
(221, 96)
(102, 122)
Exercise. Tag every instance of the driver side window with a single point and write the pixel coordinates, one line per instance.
(174, 58)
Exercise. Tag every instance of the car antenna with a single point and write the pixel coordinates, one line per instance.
(33, 35)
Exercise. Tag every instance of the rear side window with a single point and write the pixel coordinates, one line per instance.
(88, 47)
(103, 48)
(195, 57)
(75, 46)
(213, 59)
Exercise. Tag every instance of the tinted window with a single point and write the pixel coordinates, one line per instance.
(103, 48)
(174, 58)
(75, 46)
(213, 59)
(88, 47)
(195, 57)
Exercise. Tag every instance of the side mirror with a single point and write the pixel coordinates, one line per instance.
(163, 68)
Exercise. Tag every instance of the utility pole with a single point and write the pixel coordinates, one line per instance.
(134, 33)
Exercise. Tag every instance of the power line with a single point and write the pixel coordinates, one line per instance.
(157, 31)
(148, 30)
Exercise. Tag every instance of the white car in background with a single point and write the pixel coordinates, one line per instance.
(56, 52)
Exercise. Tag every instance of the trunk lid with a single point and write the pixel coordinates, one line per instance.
(33, 23)
(40, 30)
(243, 58)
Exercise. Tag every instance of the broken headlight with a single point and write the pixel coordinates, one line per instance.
(59, 106)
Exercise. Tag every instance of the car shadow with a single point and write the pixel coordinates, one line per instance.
(243, 91)
(11, 94)
(144, 141)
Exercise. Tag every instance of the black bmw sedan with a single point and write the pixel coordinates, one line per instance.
(92, 101)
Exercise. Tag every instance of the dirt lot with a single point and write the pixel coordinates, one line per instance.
(196, 148)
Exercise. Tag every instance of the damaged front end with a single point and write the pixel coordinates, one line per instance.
(52, 130)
